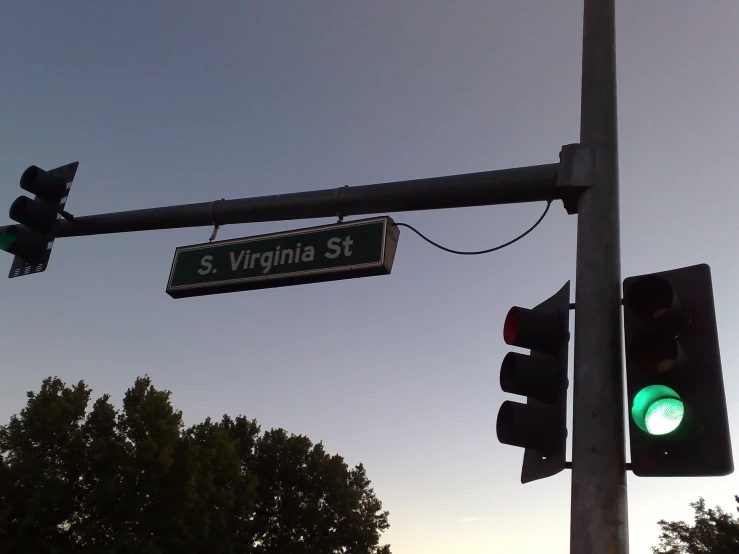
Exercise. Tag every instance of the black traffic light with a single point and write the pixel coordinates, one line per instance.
(540, 425)
(31, 241)
(678, 424)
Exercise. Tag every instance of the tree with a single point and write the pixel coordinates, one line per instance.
(43, 456)
(309, 502)
(714, 532)
(136, 480)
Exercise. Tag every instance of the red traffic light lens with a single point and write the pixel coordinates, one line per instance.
(511, 326)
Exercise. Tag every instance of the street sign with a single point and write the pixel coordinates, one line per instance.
(328, 253)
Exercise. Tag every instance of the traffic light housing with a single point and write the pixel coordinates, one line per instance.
(31, 241)
(540, 425)
(678, 422)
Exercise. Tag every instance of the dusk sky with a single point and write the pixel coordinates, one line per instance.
(180, 102)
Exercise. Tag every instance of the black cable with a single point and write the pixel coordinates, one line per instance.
(519, 237)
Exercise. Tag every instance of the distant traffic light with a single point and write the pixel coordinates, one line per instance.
(31, 241)
(540, 425)
(678, 424)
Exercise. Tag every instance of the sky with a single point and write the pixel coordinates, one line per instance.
(173, 103)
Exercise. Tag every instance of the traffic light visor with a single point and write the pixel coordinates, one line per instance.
(650, 297)
(656, 353)
(654, 301)
(658, 410)
(48, 186)
(540, 330)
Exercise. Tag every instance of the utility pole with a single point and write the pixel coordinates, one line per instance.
(599, 521)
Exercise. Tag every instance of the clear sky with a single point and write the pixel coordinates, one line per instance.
(169, 103)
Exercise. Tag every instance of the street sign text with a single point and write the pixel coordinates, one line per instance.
(327, 253)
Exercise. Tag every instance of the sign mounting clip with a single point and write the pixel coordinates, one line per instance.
(337, 192)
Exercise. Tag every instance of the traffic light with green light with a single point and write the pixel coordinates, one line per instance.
(540, 425)
(678, 423)
(31, 241)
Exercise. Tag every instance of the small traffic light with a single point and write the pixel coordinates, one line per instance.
(540, 425)
(31, 241)
(678, 424)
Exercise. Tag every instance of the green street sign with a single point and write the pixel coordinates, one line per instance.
(327, 253)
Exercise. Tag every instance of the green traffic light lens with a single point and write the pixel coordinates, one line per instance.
(664, 416)
(658, 410)
(6, 240)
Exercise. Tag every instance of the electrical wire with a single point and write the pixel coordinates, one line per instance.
(519, 237)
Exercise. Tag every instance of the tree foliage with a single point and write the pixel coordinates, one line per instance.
(136, 480)
(714, 532)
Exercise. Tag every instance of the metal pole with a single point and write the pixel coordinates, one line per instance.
(522, 184)
(599, 523)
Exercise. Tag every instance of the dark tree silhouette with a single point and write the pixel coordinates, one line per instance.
(713, 532)
(138, 481)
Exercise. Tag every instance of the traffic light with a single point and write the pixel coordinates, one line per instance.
(540, 425)
(31, 241)
(678, 424)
